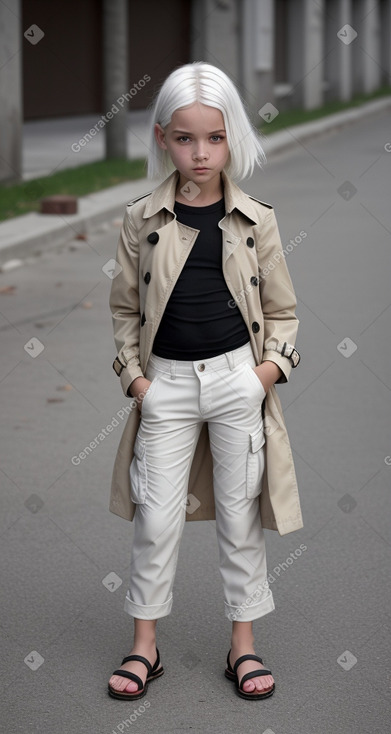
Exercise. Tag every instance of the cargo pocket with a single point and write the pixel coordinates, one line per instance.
(138, 472)
(255, 463)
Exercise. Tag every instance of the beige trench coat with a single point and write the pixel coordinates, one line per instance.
(152, 249)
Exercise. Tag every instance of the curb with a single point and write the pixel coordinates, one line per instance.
(32, 234)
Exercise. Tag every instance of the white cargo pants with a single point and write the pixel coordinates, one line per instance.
(225, 392)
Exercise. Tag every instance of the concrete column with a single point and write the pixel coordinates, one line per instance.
(385, 42)
(339, 52)
(115, 75)
(306, 52)
(11, 101)
(215, 35)
(366, 48)
(257, 52)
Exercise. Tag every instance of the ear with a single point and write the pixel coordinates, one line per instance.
(160, 136)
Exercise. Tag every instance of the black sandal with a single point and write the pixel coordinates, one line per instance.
(231, 674)
(153, 672)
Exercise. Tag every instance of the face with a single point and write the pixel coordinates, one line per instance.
(196, 141)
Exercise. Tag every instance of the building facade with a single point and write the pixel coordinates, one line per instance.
(291, 53)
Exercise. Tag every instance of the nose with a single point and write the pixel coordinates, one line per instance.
(200, 152)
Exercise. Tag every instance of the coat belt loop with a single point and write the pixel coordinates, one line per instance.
(172, 369)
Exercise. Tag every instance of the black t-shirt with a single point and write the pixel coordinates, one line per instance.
(199, 321)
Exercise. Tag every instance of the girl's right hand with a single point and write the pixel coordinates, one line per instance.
(138, 389)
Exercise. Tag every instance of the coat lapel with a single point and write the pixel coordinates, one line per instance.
(169, 256)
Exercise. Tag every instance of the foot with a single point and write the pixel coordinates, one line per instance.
(122, 684)
(260, 684)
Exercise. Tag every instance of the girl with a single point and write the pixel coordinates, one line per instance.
(204, 324)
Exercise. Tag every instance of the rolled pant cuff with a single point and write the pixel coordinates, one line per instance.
(249, 612)
(150, 611)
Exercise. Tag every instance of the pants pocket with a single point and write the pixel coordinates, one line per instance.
(255, 463)
(150, 391)
(138, 472)
(255, 379)
(155, 377)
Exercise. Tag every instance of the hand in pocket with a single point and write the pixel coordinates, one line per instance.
(138, 389)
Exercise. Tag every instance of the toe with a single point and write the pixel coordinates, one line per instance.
(121, 684)
(131, 687)
(249, 685)
(117, 683)
(264, 683)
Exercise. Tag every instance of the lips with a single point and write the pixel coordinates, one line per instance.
(201, 168)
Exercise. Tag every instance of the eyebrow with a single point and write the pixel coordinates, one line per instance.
(184, 132)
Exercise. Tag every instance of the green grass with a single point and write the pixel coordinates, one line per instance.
(297, 117)
(16, 199)
(20, 198)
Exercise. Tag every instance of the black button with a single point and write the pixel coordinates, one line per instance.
(255, 327)
(250, 242)
(153, 238)
(254, 280)
(143, 319)
(147, 277)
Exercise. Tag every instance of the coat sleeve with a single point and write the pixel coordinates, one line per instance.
(277, 295)
(124, 302)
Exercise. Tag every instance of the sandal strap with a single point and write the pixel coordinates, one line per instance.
(254, 674)
(141, 659)
(156, 665)
(246, 657)
(131, 676)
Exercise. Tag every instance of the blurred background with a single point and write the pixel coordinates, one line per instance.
(73, 59)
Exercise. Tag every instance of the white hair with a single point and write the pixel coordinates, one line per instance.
(201, 82)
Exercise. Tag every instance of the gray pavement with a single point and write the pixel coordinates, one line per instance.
(328, 641)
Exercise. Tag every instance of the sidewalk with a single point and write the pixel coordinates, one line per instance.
(47, 146)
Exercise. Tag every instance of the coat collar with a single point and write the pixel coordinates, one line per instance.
(163, 197)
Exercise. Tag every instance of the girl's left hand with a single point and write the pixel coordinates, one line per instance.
(268, 372)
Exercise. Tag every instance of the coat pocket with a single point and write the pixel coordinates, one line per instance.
(138, 472)
(255, 463)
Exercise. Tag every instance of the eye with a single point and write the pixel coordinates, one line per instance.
(183, 138)
(217, 138)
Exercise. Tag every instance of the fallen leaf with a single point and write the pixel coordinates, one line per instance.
(87, 304)
(64, 387)
(10, 265)
(8, 289)
(54, 400)
(80, 237)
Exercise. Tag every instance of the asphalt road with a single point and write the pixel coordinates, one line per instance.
(63, 626)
